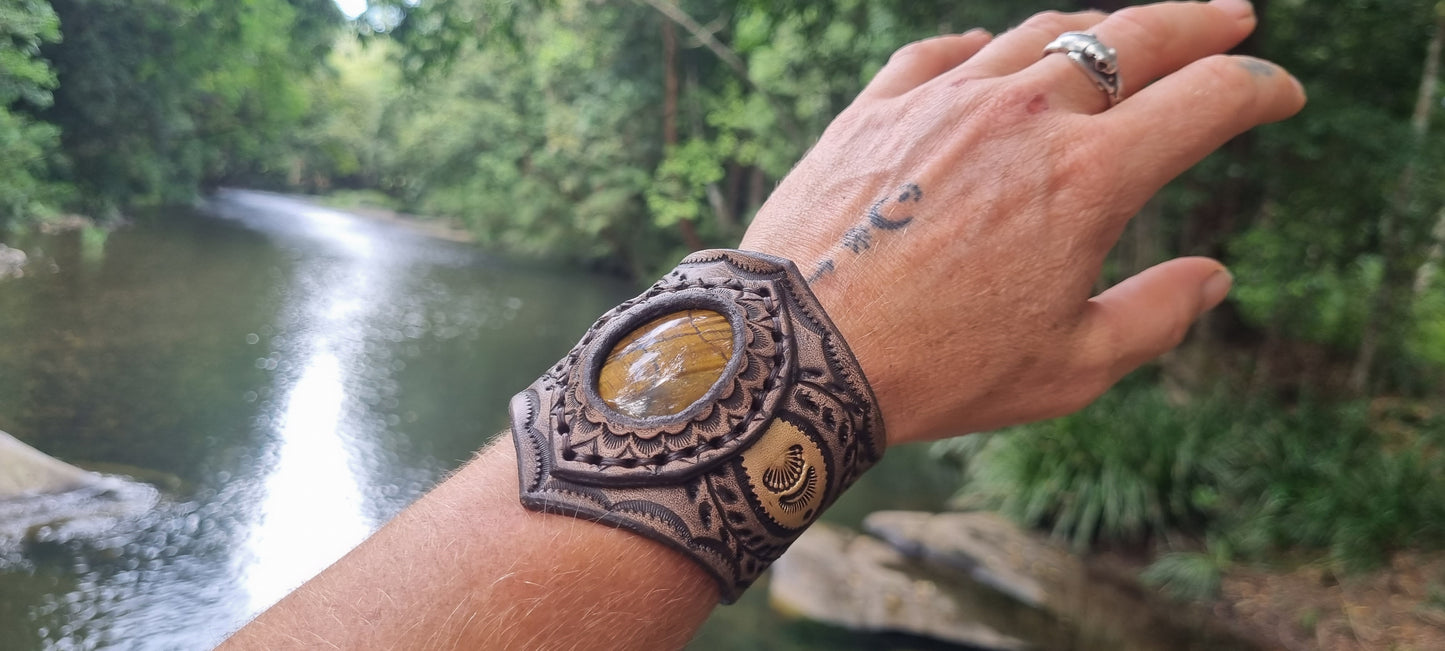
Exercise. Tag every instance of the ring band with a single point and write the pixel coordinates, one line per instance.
(1100, 62)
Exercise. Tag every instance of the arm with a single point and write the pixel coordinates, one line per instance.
(952, 221)
(467, 567)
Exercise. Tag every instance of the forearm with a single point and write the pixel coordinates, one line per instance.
(468, 567)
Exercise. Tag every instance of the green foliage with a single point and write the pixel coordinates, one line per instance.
(1188, 576)
(159, 98)
(544, 125)
(678, 189)
(1325, 477)
(1347, 193)
(1256, 477)
(24, 76)
(29, 149)
(1127, 468)
(343, 138)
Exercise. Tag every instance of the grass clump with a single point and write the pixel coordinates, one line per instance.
(1258, 477)
(1188, 576)
(1127, 468)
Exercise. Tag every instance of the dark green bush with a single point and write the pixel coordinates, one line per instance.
(1256, 476)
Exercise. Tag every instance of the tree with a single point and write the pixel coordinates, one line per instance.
(159, 98)
(28, 148)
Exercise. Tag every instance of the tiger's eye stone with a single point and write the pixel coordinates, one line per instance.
(666, 364)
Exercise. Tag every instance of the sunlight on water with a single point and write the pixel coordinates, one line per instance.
(313, 505)
(340, 230)
(312, 512)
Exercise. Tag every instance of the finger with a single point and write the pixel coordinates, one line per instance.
(1170, 126)
(1021, 46)
(1150, 41)
(1148, 314)
(916, 63)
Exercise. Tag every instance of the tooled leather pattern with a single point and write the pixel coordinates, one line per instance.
(683, 482)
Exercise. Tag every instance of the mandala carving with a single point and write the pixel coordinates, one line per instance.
(733, 477)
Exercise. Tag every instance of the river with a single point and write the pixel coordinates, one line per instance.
(291, 376)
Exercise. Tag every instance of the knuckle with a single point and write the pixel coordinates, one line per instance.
(1222, 70)
(1141, 29)
(908, 51)
(926, 51)
(1054, 23)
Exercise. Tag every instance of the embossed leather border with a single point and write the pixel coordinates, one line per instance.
(734, 478)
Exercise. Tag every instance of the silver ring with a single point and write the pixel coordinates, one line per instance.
(1097, 60)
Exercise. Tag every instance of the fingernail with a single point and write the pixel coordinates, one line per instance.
(1215, 288)
(1237, 9)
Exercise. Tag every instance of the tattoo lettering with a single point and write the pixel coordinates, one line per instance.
(861, 236)
(824, 268)
(877, 220)
(857, 239)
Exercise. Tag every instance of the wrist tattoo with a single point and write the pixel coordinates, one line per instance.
(719, 413)
(859, 238)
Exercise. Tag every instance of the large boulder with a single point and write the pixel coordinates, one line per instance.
(976, 578)
(858, 582)
(44, 500)
(12, 262)
(990, 549)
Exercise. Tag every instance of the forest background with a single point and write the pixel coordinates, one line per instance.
(1303, 419)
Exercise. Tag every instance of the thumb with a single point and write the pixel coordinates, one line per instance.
(1148, 314)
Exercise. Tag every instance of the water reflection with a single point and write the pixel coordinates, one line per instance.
(312, 511)
(320, 457)
(300, 374)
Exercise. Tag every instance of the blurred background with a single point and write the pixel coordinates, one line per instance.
(284, 261)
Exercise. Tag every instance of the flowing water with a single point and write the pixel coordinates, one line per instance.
(290, 377)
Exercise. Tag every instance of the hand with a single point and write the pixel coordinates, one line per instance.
(955, 217)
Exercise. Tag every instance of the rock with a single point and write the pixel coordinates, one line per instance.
(987, 547)
(46, 501)
(861, 583)
(25, 471)
(12, 262)
(1085, 604)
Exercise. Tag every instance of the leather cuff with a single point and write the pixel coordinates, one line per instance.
(731, 477)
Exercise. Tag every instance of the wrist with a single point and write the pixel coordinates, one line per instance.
(729, 477)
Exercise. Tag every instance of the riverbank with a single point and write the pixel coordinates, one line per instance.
(974, 578)
(1400, 606)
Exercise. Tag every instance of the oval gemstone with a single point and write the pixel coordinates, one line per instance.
(666, 364)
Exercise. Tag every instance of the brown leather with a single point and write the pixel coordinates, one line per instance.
(734, 478)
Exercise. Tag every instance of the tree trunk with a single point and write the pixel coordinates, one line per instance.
(669, 84)
(674, 13)
(1421, 124)
(686, 227)
(1390, 303)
